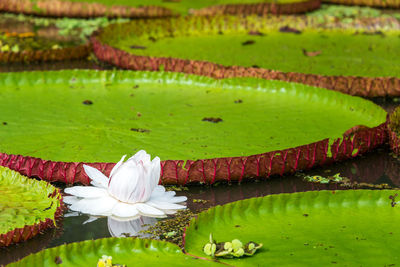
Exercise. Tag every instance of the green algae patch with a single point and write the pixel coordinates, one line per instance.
(124, 251)
(357, 227)
(97, 116)
(27, 206)
(333, 53)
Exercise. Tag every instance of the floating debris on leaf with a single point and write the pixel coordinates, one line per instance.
(213, 120)
(289, 30)
(257, 33)
(393, 200)
(140, 130)
(233, 249)
(137, 47)
(311, 53)
(249, 42)
(87, 102)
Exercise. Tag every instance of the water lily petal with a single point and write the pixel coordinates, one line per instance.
(91, 219)
(117, 165)
(148, 210)
(141, 155)
(101, 206)
(158, 191)
(125, 210)
(97, 177)
(71, 214)
(70, 199)
(155, 172)
(165, 205)
(86, 191)
(177, 199)
(126, 184)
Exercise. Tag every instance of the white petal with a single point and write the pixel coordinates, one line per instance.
(125, 210)
(95, 206)
(117, 165)
(155, 172)
(158, 191)
(70, 199)
(125, 184)
(91, 219)
(165, 205)
(71, 214)
(86, 191)
(148, 210)
(141, 156)
(98, 178)
(177, 199)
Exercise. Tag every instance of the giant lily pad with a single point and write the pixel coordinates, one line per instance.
(27, 207)
(155, 8)
(351, 60)
(373, 3)
(203, 129)
(124, 251)
(353, 227)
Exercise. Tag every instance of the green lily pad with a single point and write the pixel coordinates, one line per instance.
(291, 50)
(27, 206)
(339, 52)
(128, 251)
(97, 116)
(352, 227)
(156, 8)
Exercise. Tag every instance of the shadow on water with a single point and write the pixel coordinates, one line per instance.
(377, 167)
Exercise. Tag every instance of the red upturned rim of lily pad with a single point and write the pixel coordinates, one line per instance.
(371, 3)
(18, 235)
(59, 8)
(355, 141)
(352, 85)
(393, 130)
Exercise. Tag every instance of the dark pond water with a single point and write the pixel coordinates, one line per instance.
(377, 167)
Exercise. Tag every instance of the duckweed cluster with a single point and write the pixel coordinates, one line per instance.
(233, 249)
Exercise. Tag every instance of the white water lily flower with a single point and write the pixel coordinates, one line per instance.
(132, 190)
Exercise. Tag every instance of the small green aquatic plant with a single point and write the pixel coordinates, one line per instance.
(324, 180)
(233, 249)
(106, 261)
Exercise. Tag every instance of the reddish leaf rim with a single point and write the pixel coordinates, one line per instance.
(371, 3)
(29, 231)
(209, 171)
(58, 8)
(352, 85)
(76, 52)
(394, 139)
